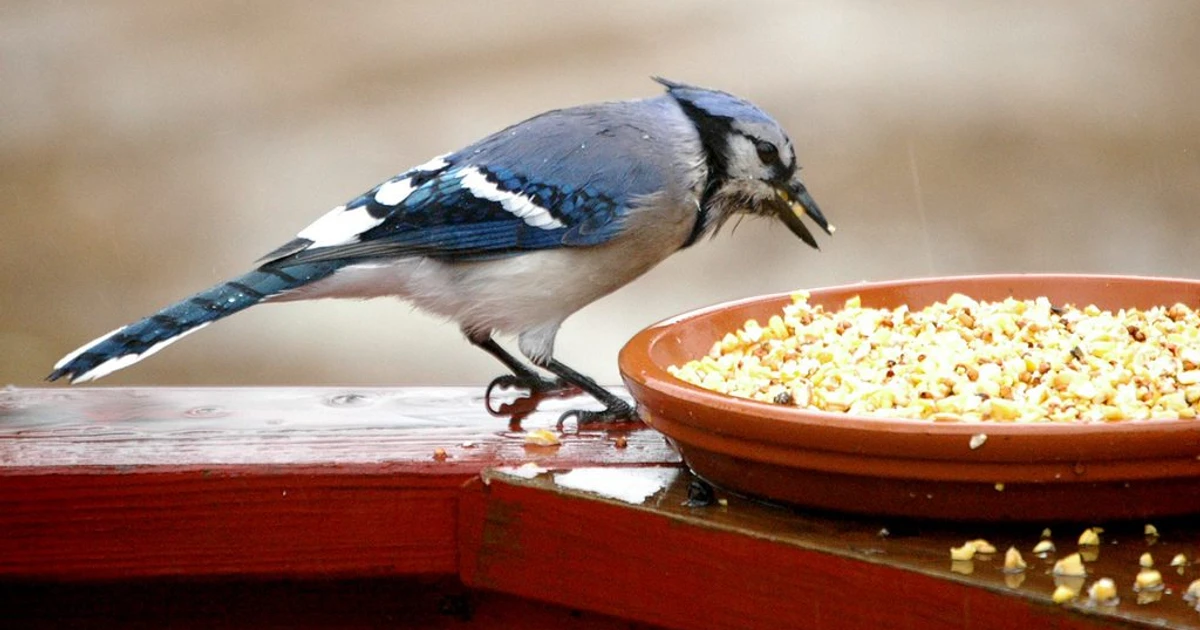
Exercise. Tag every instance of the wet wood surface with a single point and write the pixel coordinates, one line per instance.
(121, 483)
(739, 563)
(224, 485)
(330, 428)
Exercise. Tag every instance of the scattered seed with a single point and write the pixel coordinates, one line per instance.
(982, 546)
(542, 437)
(1013, 562)
(1063, 594)
(1103, 591)
(1043, 547)
(1070, 566)
(1193, 592)
(1148, 579)
(965, 552)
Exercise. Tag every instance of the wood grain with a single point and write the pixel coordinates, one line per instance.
(130, 483)
(747, 565)
(105, 494)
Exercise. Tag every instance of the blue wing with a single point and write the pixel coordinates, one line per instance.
(567, 178)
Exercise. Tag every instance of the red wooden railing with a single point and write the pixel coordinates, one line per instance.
(360, 508)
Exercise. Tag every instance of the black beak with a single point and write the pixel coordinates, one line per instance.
(797, 199)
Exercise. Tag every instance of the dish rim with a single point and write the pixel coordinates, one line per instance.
(654, 375)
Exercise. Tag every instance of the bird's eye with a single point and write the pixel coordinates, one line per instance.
(766, 151)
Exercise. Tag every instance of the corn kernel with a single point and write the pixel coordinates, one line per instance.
(1089, 537)
(1192, 594)
(1179, 560)
(1013, 561)
(983, 546)
(965, 552)
(1063, 594)
(1044, 546)
(1146, 561)
(542, 437)
(1103, 591)
(1070, 566)
(1148, 579)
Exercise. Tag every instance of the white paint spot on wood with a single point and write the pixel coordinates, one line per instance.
(528, 470)
(631, 485)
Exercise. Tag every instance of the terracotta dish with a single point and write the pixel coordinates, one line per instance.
(917, 468)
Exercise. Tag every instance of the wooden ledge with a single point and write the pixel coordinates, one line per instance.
(296, 483)
(256, 429)
(212, 486)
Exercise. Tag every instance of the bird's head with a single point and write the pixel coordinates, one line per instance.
(751, 162)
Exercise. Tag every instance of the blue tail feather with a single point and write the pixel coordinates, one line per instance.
(132, 343)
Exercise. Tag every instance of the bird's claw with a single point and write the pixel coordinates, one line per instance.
(537, 386)
(614, 414)
(539, 389)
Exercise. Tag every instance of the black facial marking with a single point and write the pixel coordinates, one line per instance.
(714, 131)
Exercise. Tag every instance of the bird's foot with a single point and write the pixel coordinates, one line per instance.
(539, 388)
(619, 412)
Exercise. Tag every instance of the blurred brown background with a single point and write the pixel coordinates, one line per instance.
(148, 150)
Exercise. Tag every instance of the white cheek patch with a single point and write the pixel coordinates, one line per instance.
(518, 204)
(339, 227)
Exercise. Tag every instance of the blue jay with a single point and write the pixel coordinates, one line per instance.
(518, 231)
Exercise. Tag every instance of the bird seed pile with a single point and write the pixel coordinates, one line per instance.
(964, 360)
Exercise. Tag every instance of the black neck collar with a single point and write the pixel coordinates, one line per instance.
(714, 133)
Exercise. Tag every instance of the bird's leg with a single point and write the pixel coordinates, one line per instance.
(615, 409)
(522, 375)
